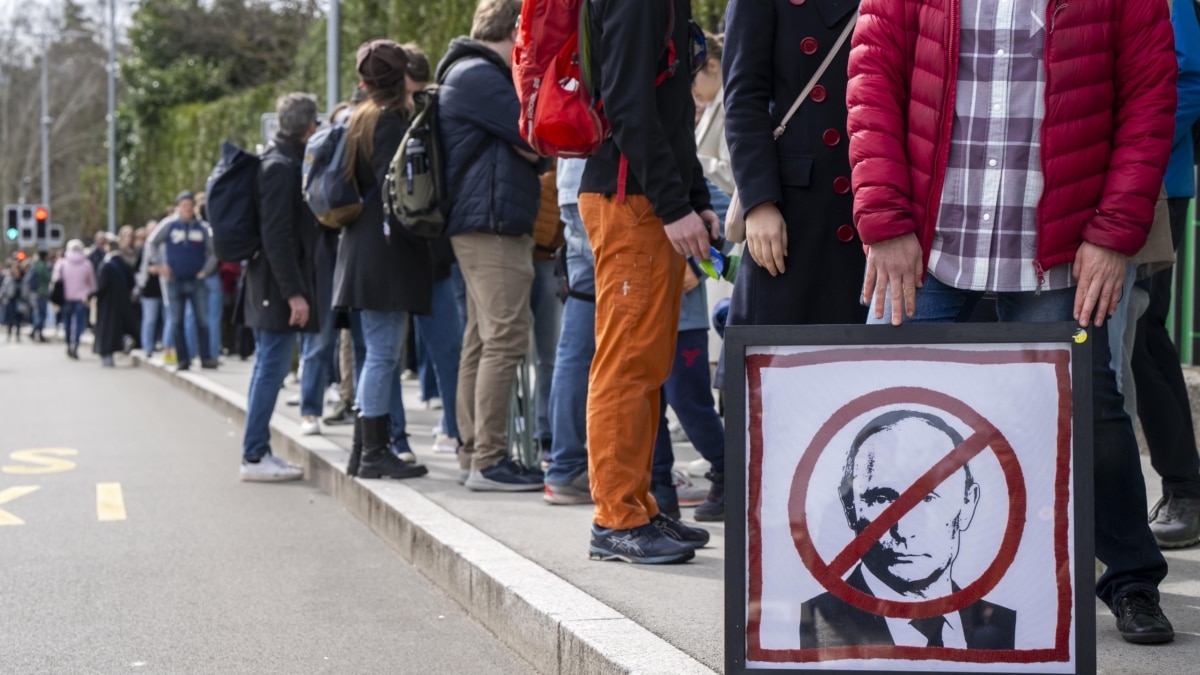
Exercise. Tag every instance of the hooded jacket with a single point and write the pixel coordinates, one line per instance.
(1105, 139)
(77, 274)
(478, 112)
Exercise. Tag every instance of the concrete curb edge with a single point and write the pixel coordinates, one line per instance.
(555, 626)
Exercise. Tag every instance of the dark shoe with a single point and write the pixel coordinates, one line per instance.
(355, 448)
(342, 414)
(378, 461)
(1141, 620)
(210, 365)
(505, 476)
(713, 508)
(107, 362)
(575, 491)
(1175, 521)
(667, 498)
(684, 534)
(644, 545)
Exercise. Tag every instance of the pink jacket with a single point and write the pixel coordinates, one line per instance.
(79, 279)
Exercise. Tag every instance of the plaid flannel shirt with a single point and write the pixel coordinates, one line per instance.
(986, 232)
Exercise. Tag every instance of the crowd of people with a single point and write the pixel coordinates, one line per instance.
(881, 197)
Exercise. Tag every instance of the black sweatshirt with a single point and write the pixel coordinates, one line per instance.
(653, 127)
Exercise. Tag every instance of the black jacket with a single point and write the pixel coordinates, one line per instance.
(478, 114)
(772, 49)
(114, 307)
(283, 267)
(653, 127)
(383, 274)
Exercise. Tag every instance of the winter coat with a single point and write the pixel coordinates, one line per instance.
(478, 112)
(1105, 139)
(79, 279)
(383, 274)
(283, 266)
(1181, 176)
(115, 317)
(772, 50)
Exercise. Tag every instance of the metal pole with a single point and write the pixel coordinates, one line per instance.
(1188, 300)
(45, 121)
(112, 116)
(332, 48)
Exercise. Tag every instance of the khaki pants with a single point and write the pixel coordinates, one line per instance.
(639, 288)
(346, 365)
(498, 272)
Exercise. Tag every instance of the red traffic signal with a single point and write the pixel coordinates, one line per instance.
(41, 214)
(20, 256)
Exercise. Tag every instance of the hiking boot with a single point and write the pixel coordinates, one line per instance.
(505, 476)
(1175, 521)
(645, 545)
(576, 491)
(668, 503)
(1140, 619)
(378, 460)
(713, 508)
(684, 534)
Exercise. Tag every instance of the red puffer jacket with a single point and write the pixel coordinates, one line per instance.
(1105, 139)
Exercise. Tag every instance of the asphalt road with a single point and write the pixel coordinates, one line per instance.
(128, 544)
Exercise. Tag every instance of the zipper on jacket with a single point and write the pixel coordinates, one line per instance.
(1062, 4)
(1041, 276)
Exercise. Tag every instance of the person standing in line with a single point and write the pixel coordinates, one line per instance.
(181, 251)
(79, 280)
(646, 207)
(384, 278)
(38, 283)
(280, 282)
(14, 299)
(1024, 158)
(115, 320)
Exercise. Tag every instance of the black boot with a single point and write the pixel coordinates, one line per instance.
(377, 458)
(713, 508)
(356, 447)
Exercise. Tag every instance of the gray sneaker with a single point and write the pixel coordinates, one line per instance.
(270, 469)
(577, 491)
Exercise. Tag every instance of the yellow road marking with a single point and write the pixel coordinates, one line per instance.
(110, 502)
(41, 463)
(13, 494)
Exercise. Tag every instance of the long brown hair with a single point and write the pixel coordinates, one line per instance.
(360, 134)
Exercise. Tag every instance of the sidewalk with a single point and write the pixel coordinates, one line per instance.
(520, 566)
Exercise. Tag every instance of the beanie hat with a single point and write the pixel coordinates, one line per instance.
(186, 194)
(382, 63)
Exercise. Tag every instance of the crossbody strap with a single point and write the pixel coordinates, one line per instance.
(837, 47)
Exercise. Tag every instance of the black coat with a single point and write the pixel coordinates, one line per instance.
(375, 272)
(806, 172)
(283, 267)
(114, 306)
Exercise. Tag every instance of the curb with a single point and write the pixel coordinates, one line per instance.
(555, 626)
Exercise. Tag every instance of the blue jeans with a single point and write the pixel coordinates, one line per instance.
(573, 360)
(151, 309)
(40, 304)
(272, 361)
(316, 367)
(689, 393)
(215, 295)
(181, 292)
(439, 337)
(75, 317)
(547, 317)
(379, 390)
(1123, 539)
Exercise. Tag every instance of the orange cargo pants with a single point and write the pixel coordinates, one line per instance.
(639, 288)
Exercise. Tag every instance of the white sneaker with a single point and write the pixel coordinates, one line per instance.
(434, 403)
(270, 469)
(445, 444)
(699, 467)
(677, 433)
(689, 493)
(333, 395)
(310, 426)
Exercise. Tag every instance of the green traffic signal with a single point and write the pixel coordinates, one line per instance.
(11, 233)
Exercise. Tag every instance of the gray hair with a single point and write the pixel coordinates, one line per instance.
(297, 112)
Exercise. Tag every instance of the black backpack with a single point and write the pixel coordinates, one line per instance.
(232, 204)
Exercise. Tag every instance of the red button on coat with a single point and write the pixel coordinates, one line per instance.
(817, 94)
(797, 2)
(809, 46)
(845, 234)
(831, 137)
(841, 185)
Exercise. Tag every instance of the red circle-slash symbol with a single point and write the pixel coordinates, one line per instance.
(984, 435)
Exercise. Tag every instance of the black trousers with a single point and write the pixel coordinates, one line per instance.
(1162, 397)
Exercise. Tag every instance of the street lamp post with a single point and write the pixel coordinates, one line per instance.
(112, 116)
(45, 119)
(333, 45)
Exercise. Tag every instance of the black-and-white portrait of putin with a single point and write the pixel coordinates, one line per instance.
(914, 560)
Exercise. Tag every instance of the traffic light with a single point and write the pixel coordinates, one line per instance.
(41, 214)
(20, 256)
(12, 228)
